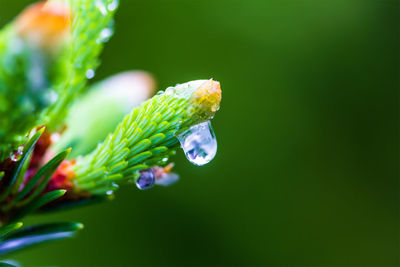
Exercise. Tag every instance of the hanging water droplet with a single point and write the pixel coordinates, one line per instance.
(146, 179)
(199, 143)
(90, 73)
(105, 35)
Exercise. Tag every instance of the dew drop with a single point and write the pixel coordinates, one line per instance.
(170, 91)
(16, 155)
(105, 35)
(199, 143)
(90, 73)
(102, 7)
(146, 179)
(113, 5)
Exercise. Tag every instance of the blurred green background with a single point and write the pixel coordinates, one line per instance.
(307, 172)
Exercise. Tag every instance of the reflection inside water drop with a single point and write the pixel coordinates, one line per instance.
(199, 143)
(16, 155)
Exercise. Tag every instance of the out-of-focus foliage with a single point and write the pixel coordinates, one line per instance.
(97, 113)
(24, 89)
(15, 240)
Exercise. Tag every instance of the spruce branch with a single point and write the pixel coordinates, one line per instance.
(147, 136)
(99, 110)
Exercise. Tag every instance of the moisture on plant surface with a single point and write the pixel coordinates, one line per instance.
(65, 142)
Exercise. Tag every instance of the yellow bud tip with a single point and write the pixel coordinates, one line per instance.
(206, 99)
(44, 24)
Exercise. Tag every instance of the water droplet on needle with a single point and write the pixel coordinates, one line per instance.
(90, 73)
(146, 179)
(199, 143)
(16, 155)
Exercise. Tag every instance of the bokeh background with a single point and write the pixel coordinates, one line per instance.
(307, 172)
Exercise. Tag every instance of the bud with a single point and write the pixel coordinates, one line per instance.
(205, 101)
(44, 25)
(203, 98)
